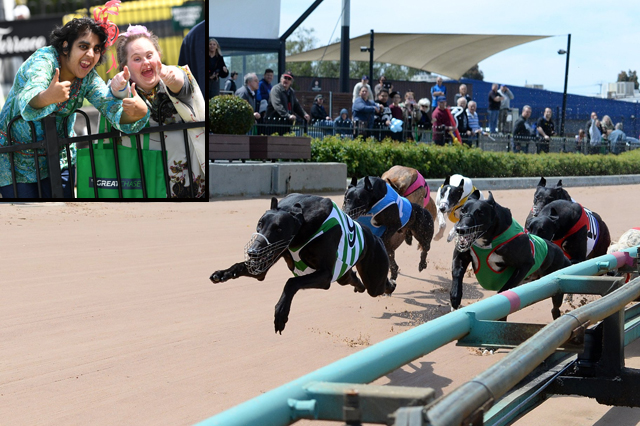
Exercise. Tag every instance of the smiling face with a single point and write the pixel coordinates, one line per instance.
(82, 57)
(213, 47)
(142, 60)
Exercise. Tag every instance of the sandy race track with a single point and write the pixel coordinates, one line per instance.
(108, 317)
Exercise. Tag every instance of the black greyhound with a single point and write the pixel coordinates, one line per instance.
(502, 254)
(579, 232)
(320, 245)
(375, 204)
(544, 196)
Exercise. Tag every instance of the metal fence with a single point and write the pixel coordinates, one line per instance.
(339, 391)
(349, 129)
(51, 145)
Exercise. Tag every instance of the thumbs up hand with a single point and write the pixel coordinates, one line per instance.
(58, 91)
(133, 108)
(171, 76)
(119, 83)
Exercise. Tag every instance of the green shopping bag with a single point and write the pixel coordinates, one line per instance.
(129, 170)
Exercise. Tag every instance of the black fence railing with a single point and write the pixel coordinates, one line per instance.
(348, 129)
(51, 145)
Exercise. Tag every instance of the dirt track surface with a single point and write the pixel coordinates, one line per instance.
(108, 317)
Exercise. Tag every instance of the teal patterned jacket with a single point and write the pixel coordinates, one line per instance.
(33, 77)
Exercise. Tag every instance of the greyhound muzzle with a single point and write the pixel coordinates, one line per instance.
(466, 236)
(259, 258)
(356, 212)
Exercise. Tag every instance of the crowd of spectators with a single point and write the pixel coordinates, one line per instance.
(382, 112)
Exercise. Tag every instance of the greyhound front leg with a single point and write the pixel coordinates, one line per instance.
(459, 267)
(441, 225)
(236, 271)
(451, 235)
(318, 279)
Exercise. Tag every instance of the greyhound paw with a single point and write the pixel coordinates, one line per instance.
(422, 266)
(359, 288)
(279, 323)
(391, 287)
(437, 237)
(218, 277)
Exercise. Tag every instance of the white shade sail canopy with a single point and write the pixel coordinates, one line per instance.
(450, 55)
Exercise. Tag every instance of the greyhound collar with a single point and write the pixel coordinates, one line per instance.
(418, 183)
(260, 260)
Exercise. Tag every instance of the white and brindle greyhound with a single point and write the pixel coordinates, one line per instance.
(451, 196)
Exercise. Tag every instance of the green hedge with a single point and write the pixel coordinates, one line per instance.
(374, 158)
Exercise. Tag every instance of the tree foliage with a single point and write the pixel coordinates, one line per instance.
(629, 76)
(474, 73)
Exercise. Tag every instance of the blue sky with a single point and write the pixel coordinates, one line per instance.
(605, 35)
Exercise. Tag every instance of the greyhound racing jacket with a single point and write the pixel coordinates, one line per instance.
(349, 249)
(491, 279)
(593, 231)
(391, 197)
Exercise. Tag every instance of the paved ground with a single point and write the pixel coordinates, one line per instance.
(108, 317)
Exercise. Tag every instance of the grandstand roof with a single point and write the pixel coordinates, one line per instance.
(450, 55)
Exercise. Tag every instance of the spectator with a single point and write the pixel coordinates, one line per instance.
(380, 85)
(595, 132)
(318, 112)
(607, 126)
(248, 92)
(342, 125)
(474, 121)
(593, 119)
(283, 105)
(383, 115)
(581, 140)
(411, 113)
(494, 108)
(364, 112)
(396, 112)
(505, 109)
(463, 121)
(523, 131)
(264, 87)
(438, 90)
(230, 84)
(462, 93)
(442, 122)
(424, 122)
(315, 86)
(191, 54)
(546, 129)
(619, 141)
(217, 67)
(363, 83)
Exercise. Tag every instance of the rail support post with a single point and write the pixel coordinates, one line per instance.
(53, 156)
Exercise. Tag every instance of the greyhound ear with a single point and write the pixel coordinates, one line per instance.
(274, 203)
(367, 184)
(475, 195)
(553, 214)
(559, 184)
(461, 183)
(447, 180)
(490, 199)
(354, 181)
(543, 182)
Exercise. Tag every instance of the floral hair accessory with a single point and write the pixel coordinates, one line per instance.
(136, 29)
(101, 16)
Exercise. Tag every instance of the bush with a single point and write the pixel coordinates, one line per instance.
(366, 158)
(230, 115)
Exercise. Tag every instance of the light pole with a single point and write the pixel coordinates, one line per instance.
(370, 50)
(566, 79)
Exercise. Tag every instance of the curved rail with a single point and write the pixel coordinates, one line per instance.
(290, 402)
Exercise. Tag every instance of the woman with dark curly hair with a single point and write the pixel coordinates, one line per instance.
(57, 79)
(172, 95)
